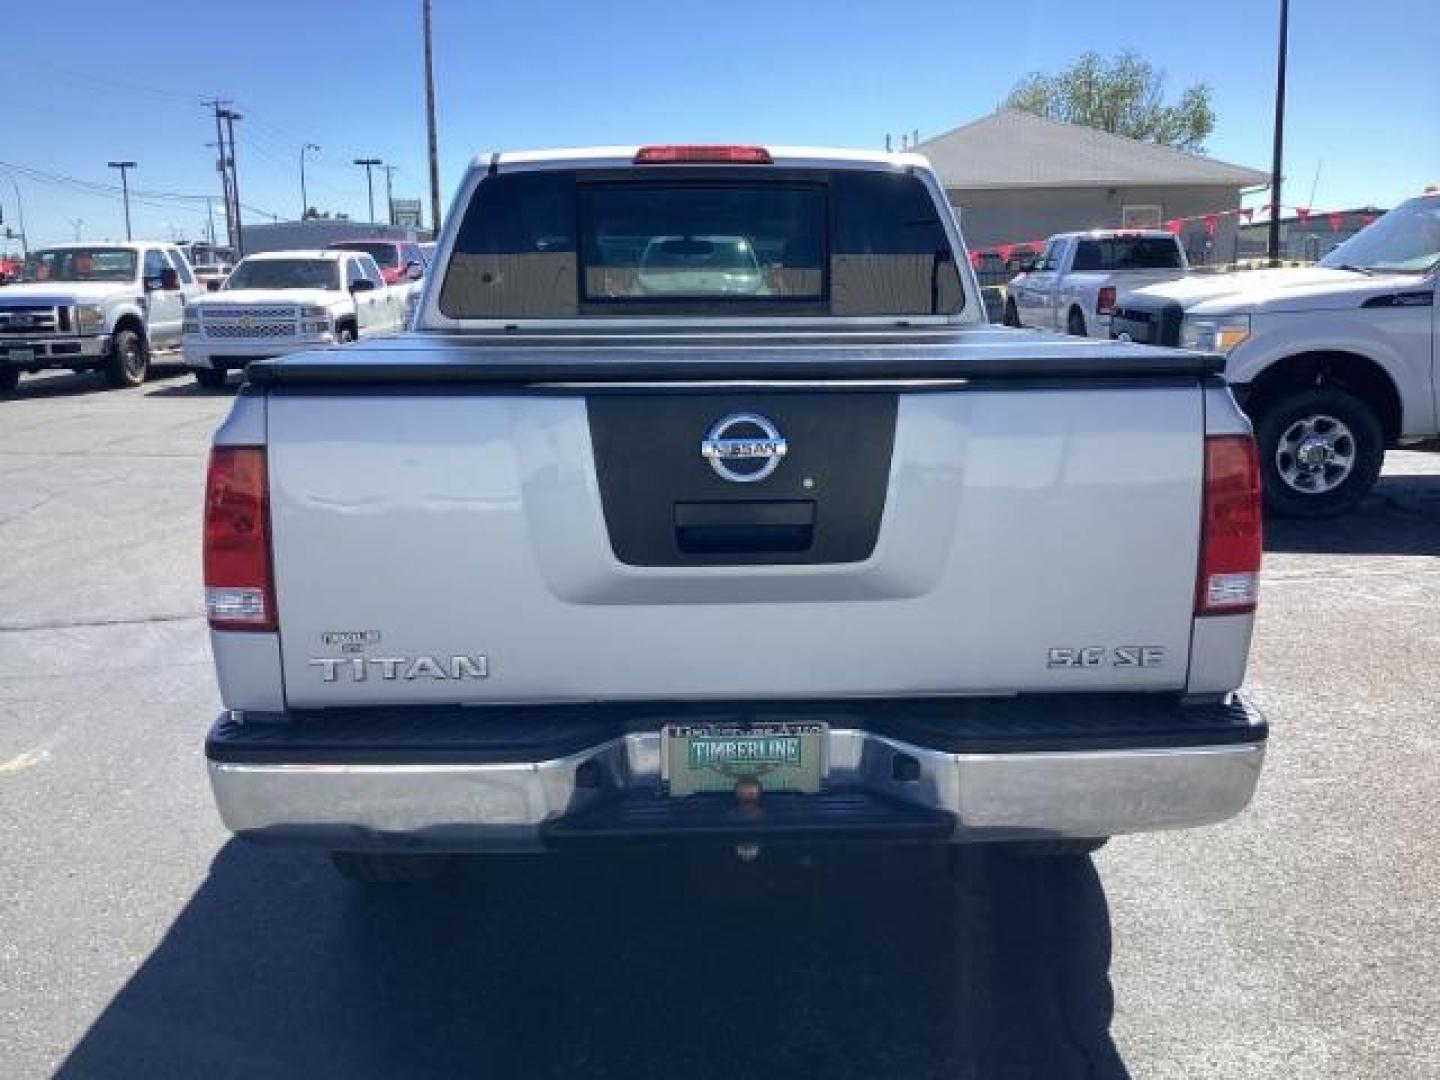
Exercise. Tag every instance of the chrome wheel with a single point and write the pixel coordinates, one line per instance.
(1315, 454)
(132, 358)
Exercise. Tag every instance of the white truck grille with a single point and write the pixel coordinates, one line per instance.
(33, 320)
(246, 323)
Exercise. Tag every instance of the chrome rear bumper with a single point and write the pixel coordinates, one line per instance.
(990, 796)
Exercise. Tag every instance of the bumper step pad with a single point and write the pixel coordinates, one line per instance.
(651, 817)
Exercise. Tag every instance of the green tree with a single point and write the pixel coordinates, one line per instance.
(1124, 96)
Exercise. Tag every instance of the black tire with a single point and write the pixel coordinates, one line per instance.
(129, 359)
(1038, 850)
(1012, 313)
(210, 378)
(344, 334)
(9, 379)
(368, 868)
(1344, 422)
(1075, 323)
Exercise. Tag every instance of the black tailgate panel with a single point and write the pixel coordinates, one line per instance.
(666, 506)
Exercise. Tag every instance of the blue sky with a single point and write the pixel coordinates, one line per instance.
(86, 81)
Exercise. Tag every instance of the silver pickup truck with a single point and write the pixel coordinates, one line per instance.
(701, 506)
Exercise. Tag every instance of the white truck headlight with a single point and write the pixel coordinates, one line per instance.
(1214, 333)
(316, 320)
(90, 318)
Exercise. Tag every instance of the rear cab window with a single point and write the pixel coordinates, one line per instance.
(1127, 253)
(684, 242)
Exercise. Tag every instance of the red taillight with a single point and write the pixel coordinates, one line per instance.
(1105, 304)
(703, 154)
(239, 591)
(1229, 581)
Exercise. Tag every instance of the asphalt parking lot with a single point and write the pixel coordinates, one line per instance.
(138, 940)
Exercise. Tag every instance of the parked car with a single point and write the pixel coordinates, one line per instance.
(1074, 283)
(400, 261)
(111, 307)
(280, 302)
(833, 561)
(1333, 363)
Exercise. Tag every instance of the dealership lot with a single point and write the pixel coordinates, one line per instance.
(136, 939)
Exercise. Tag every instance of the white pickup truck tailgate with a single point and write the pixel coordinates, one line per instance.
(458, 522)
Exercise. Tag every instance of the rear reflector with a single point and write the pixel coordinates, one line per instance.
(1230, 537)
(239, 592)
(1105, 304)
(703, 154)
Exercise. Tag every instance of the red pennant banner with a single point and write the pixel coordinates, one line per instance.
(1211, 222)
(1303, 213)
(1173, 225)
(1335, 220)
(1366, 219)
(1004, 251)
(1036, 247)
(975, 259)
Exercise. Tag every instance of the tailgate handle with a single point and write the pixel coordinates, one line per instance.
(739, 528)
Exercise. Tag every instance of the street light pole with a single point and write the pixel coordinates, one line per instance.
(369, 163)
(430, 127)
(20, 211)
(304, 198)
(1277, 161)
(124, 167)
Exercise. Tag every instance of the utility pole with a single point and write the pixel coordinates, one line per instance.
(304, 198)
(430, 126)
(230, 116)
(389, 192)
(222, 165)
(20, 210)
(124, 167)
(1278, 160)
(369, 163)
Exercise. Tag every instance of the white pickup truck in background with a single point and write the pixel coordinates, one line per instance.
(111, 307)
(280, 302)
(611, 548)
(1333, 363)
(1076, 279)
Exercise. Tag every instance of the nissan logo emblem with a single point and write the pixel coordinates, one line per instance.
(743, 447)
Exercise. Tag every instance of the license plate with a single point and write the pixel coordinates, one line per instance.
(713, 757)
(22, 357)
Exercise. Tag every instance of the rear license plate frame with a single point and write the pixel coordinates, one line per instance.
(712, 757)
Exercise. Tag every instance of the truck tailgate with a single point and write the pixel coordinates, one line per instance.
(572, 542)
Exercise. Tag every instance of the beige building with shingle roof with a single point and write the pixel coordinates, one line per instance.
(1016, 177)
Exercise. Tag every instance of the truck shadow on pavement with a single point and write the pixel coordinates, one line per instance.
(835, 963)
(1401, 516)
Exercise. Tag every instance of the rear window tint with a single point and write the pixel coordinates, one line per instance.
(686, 242)
(1138, 253)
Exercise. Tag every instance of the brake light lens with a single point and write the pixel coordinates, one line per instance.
(703, 154)
(1230, 536)
(239, 590)
(1105, 304)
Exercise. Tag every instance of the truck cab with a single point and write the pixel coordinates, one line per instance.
(112, 307)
